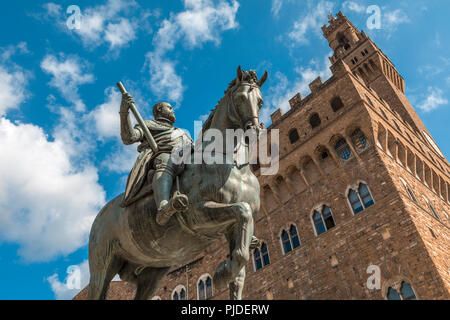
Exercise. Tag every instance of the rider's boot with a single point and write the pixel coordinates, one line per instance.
(162, 186)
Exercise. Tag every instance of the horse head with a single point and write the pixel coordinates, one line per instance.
(246, 98)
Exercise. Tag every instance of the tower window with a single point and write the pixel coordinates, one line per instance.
(336, 104)
(179, 293)
(261, 257)
(402, 292)
(293, 136)
(360, 199)
(290, 240)
(323, 220)
(204, 288)
(314, 120)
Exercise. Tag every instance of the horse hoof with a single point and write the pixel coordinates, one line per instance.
(222, 276)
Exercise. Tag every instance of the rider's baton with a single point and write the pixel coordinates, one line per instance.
(140, 121)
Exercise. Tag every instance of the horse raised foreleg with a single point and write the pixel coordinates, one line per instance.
(239, 216)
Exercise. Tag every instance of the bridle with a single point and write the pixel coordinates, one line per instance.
(233, 113)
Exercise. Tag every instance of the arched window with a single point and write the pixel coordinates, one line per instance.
(314, 120)
(204, 287)
(261, 257)
(290, 240)
(323, 220)
(342, 149)
(360, 199)
(336, 104)
(405, 292)
(293, 136)
(179, 293)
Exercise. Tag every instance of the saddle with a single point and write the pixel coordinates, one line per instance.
(145, 190)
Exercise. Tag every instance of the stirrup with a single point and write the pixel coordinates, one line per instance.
(178, 203)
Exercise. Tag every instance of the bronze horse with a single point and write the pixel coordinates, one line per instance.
(223, 198)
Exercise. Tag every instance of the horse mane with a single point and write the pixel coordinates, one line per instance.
(249, 77)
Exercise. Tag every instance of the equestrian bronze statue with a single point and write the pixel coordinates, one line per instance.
(171, 212)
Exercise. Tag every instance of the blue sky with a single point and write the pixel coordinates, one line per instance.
(61, 158)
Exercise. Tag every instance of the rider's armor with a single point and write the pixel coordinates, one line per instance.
(168, 138)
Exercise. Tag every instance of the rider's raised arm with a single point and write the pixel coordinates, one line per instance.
(129, 134)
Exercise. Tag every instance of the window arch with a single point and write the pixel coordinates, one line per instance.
(343, 149)
(336, 104)
(261, 257)
(179, 293)
(314, 120)
(204, 287)
(290, 240)
(293, 136)
(360, 198)
(322, 220)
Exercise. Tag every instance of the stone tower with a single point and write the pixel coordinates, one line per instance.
(362, 194)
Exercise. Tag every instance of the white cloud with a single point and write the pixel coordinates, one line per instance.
(47, 203)
(120, 33)
(106, 116)
(312, 21)
(68, 73)
(12, 88)
(276, 7)
(279, 95)
(433, 101)
(353, 6)
(52, 9)
(13, 78)
(391, 19)
(201, 21)
(165, 83)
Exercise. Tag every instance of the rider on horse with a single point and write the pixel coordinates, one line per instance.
(167, 137)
